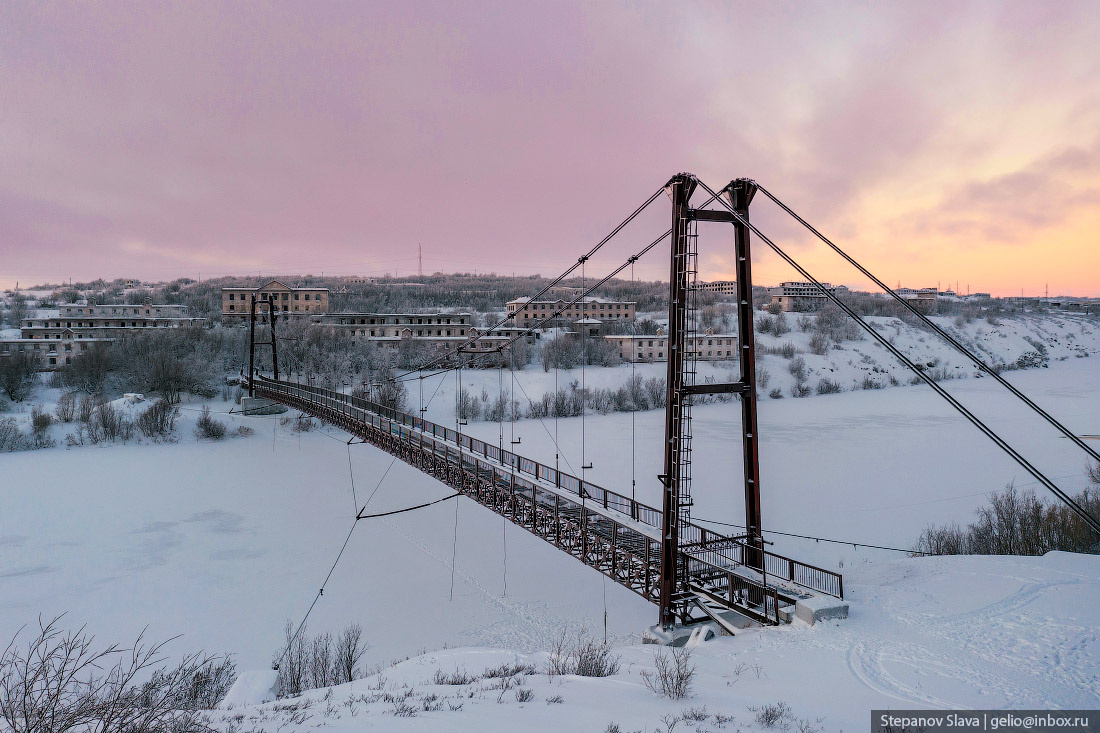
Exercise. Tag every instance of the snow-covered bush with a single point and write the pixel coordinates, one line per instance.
(66, 407)
(107, 424)
(797, 368)
(159, 421)
(40, 428)
(819, 344)
(827, 386)
(207, 427)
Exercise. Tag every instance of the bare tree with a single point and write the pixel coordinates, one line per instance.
(322, 661)
(17, 375)
(350, 648)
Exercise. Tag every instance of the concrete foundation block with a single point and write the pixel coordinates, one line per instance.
(820, 608)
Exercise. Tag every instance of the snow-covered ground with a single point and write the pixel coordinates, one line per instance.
(958, 632)
(224, 542)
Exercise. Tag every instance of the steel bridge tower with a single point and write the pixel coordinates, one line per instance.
(676, 500)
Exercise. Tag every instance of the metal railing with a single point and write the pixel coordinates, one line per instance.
(704, 544)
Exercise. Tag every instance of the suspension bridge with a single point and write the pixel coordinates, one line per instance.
(691, 573)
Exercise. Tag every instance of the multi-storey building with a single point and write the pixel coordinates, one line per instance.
(708, 346)
(236, 302)
(923, 299)
(529, 312)
(722, 287)
(801, 296)
(437, 332)
(60, 334)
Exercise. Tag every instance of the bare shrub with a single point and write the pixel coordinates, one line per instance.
(781, 326)
(763, 377)
(826, 386)
(207, 427)
(525, 694)
(59, 681)
(776, 394)
(159, 421)
(108, 424)
(819, 344)
(243, 431)
(773, 716)
(458, 677)
(787, 350)
(11, 437)
(869, 383)
(797, 368)
(585, 657)
(40, 428)
(673, 673)
(66, 407)
(87, 406)
(555, 700)
(509, 670)
(801, 389)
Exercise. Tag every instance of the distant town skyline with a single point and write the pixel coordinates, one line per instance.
(939, 142)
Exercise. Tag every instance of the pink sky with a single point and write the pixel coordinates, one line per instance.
(940, 141)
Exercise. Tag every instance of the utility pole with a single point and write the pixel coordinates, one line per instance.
(419, 259)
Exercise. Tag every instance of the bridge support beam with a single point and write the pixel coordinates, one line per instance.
(680, 189)
(740, 193)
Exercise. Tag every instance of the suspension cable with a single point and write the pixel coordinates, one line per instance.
(1091, 521)
(811, 537)
(939, 331)
(553, 283)
(543, 321)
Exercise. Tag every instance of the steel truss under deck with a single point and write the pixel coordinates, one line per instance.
(612, 533)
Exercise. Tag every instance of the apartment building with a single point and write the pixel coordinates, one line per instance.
(722, 287)
(802, 296)
(391, 325)
(923, 299)
(708, 346)
(284, 299)
(529, 312)
(436, 332)
(58, 335)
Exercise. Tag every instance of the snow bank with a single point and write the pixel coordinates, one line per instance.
(252, 688)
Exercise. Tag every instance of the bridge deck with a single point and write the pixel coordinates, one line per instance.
(612, 533)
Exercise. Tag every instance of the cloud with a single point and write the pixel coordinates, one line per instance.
(159, 140)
